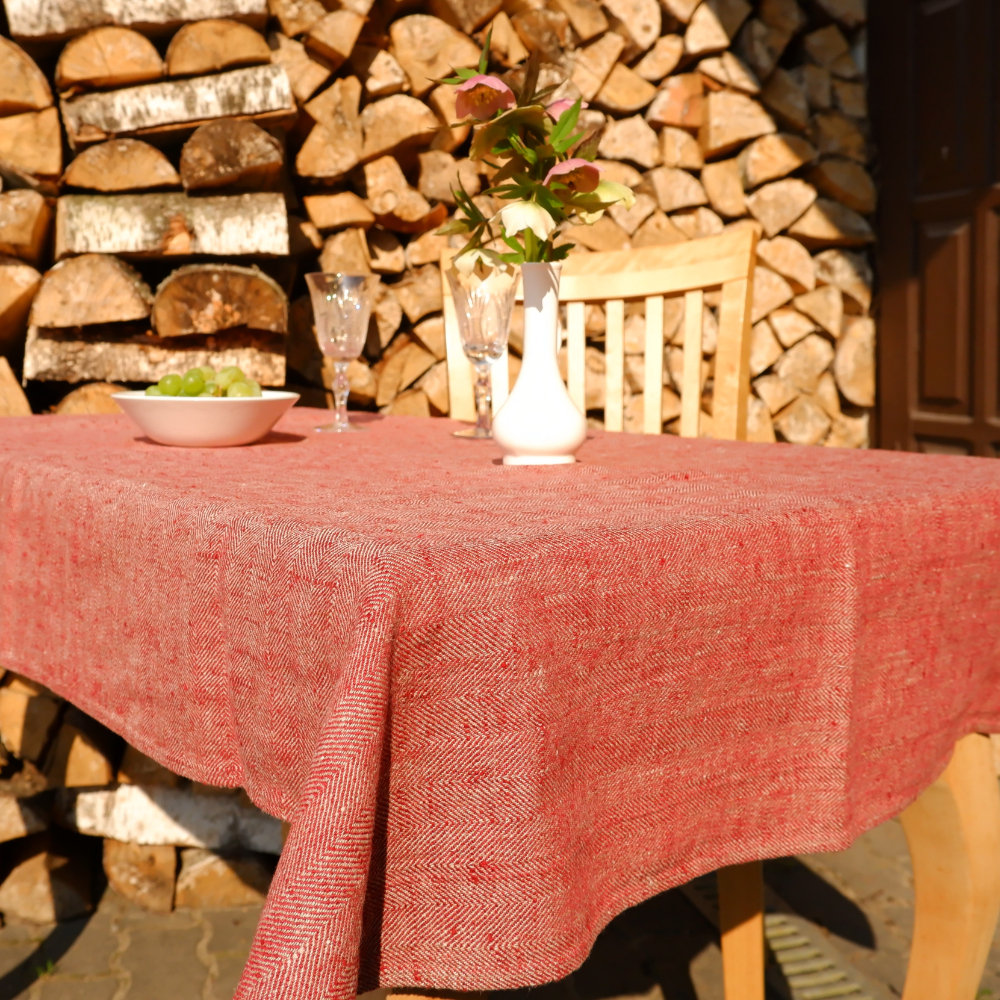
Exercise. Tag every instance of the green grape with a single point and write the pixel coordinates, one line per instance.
(238, 389)
(193, 382)
(228, 376)
(211, 389)
(154, 390)
(207, 373)
(255, 389)
(170, 385)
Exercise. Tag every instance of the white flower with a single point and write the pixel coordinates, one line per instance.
(465, 263)
(521, 215)
(482, 268)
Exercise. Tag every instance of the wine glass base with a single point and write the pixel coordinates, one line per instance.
(474, 433)
(339, 429)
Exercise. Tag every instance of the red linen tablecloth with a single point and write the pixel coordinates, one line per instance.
(500, 705)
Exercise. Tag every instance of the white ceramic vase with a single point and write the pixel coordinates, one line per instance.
(539, 424)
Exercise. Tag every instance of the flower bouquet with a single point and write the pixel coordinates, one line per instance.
(545, 178)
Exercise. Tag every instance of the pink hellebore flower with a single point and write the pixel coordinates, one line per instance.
(580, 175)
(480, 96)
(558, 107)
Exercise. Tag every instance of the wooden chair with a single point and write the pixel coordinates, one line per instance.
(953, 828)
(650, 273)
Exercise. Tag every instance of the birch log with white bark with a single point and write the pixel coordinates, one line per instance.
(165, 225)
(55, 20)
(260, 93)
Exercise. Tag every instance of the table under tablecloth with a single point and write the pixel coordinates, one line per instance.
(501, 705)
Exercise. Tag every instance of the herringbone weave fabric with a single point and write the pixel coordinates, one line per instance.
(500, 705)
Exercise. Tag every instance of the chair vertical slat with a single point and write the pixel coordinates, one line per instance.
(576, 351)
(500, 380)
(614, 362)
(462, 404)
(652, 387)
(732, 362)
(694, 303)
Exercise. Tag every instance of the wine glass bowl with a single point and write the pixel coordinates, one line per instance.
(342, 306)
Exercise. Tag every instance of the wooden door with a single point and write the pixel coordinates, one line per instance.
(934, 93)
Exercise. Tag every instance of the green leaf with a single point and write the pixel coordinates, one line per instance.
(453, 226)
(527, 153)
(485, 54)
(465, 74)
(499, 130)
(566, 124)
(563, 144)
(588, 148)
(561, 252)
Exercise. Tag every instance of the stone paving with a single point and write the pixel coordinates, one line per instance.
(662, 950)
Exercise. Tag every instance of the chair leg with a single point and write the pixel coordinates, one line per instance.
(953, 830)
(741, 923)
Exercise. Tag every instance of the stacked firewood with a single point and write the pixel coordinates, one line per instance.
(75, 799)
(193, 140)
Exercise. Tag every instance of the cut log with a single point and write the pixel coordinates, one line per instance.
(624, 92)
(434, 385)
(305, 74)
(138, 769)
(338, 211)
(854, 366)
(760, 45)
(441, 175)
(27, 719)
(848, 432)
(680, 102)
(95, 397)
(428, 50)
(835, 134)
(13, 402)
(674, 189)
(24, 85)
(52, 20)
(682, 10)
(346, 253)
(790, 259)
(661, 59)
(442, 100)
(296, 17)
(790, 325)
(385, 252)
(396, 123)
(770, 291)
(425, 249)
(80, 756)
(334, 36)
(639, 19)
(46, 885)
(108, 57)
(850, 98)
(630, 219)
(849, 272)
(775, 392)
(803, 422)
(18, 284)
(506, 46)
(680, 149)
(543, 30)
(208, 298)
(63, 356)
(394, 203)
(783, 95)
(22, 817)
(714, 26)
(773, 156)
(816, 82)
(828, 223)
(826, 45)
(827, 396)
(94, 288)
(466, 15)
(379, 71)
(233, 154)
(215, 44)
(602, 235)
(24, 224)
(144, 875)
(730, 71)
(261, 93)
(731, 119)
(697, 222)
(847, 182)
(657, 230)
(419, 293)
(803, 364)
(594, 63)
(211, 880)
(120, 165)
(778, 204)
(401, 370)
(764, 348)
(164, 225)
(724, 187)
(585, 16)
(32, 143)
(825, 305)
(630, 139)
(850, 13)
(334, 145)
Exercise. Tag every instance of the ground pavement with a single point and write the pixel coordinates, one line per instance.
(861, 898)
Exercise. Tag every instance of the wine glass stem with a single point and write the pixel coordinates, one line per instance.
(484, 400)
(341, 390)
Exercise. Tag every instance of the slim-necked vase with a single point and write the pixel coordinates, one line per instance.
(539, 424)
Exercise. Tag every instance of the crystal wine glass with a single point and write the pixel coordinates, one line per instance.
(342, 306)
(484, 300)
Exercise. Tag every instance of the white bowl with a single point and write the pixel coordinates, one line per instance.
(206, 421)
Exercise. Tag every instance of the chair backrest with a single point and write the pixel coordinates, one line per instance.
(649, 273)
